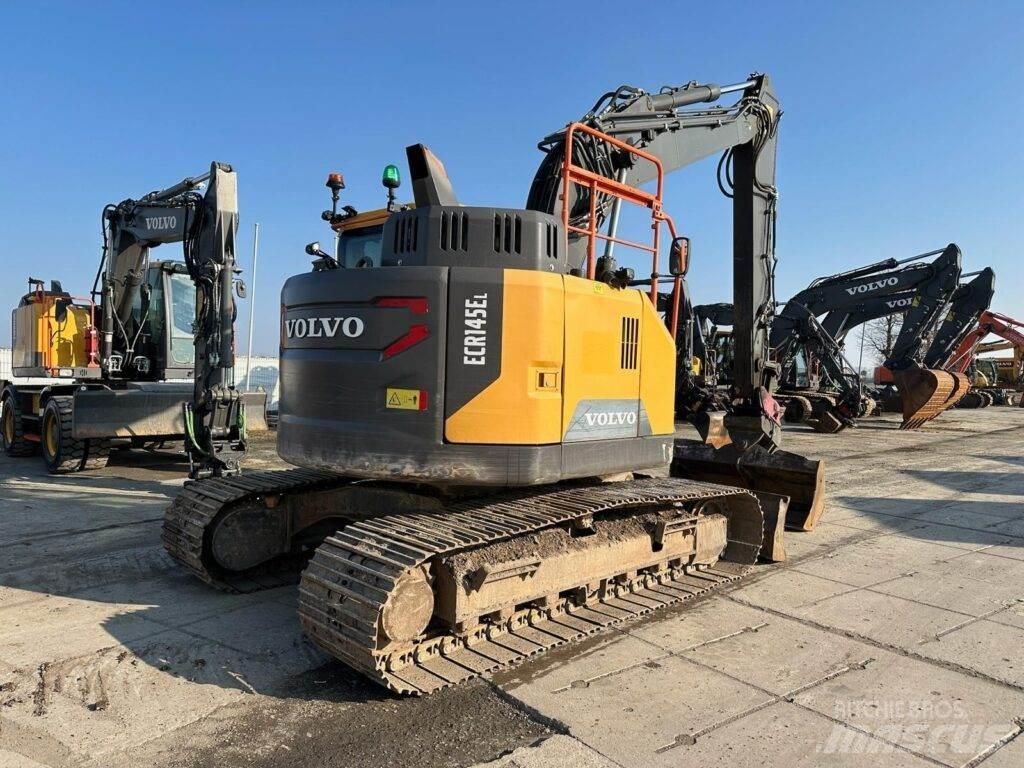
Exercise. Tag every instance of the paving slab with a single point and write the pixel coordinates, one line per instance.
(561, 751)
(994, 649)
(933, 711)
(885, 619)
(631, 715)
(782, 656)
(954, 591)
(1009, 756)
(684, 627)
(1012, 616)
(787, 589)
(875, 559)
(787, 735)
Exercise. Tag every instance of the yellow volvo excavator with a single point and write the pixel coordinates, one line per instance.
(481, 408)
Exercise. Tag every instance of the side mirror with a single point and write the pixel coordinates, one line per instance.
(679, 257)
(60, 311)
(240, 288)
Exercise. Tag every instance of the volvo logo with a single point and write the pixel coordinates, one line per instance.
(324, 327)
(161, 222)
(609, 419)
(898, 303)
(874, 285)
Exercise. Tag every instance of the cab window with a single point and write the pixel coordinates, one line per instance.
(361, 247)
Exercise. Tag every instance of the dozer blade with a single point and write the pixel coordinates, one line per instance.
(711, 428)
(924, 392)
(781, 473)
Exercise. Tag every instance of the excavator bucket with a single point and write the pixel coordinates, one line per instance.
(780, 473)
(255, 411)
(924, 393)
(962, 386)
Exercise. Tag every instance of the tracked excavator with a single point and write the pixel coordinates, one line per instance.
(1000, 325)
(835, 400)
(481, 410)
(145, 358)
(924, 391)
(967, 302)
(1001, 378)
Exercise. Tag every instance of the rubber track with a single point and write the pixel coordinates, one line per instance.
(349, 579)
(200, 502)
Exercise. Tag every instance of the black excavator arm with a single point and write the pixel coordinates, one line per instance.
(205, 224)
(969, 300)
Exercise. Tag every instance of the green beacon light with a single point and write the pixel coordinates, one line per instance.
(391, 178)
(392, 181)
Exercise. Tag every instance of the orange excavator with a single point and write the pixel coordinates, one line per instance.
(989, 323)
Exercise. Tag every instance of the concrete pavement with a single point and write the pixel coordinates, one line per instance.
(892, 636)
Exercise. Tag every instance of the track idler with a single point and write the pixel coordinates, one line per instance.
(925, 393)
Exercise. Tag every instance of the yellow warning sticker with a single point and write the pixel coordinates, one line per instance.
(405, 399)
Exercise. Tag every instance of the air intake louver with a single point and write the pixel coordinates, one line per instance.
(551, 241)
(405, 234)
(630, 342)
(454, 231)
(508, 233)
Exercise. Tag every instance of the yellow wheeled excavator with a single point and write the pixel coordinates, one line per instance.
(481, 408)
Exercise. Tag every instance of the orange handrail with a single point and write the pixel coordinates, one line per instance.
(598, 184)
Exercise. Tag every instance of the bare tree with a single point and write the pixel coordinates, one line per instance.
(880, 335)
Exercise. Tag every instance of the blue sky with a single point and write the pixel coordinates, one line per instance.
(901, 129)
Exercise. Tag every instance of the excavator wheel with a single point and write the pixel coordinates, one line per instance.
(62, 453)
(989, 399)
(97, 453)
(12, 436)
(924, 392)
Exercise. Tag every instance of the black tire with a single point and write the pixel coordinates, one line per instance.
(61, 452)
(12, 429)
(97, 453)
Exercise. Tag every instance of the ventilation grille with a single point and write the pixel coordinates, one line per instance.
(630, 342)
(454, 231)
(551, 241)
(508, 233)
(406, 232)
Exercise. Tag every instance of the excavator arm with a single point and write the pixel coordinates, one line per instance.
(969, 301)
(988, 323)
